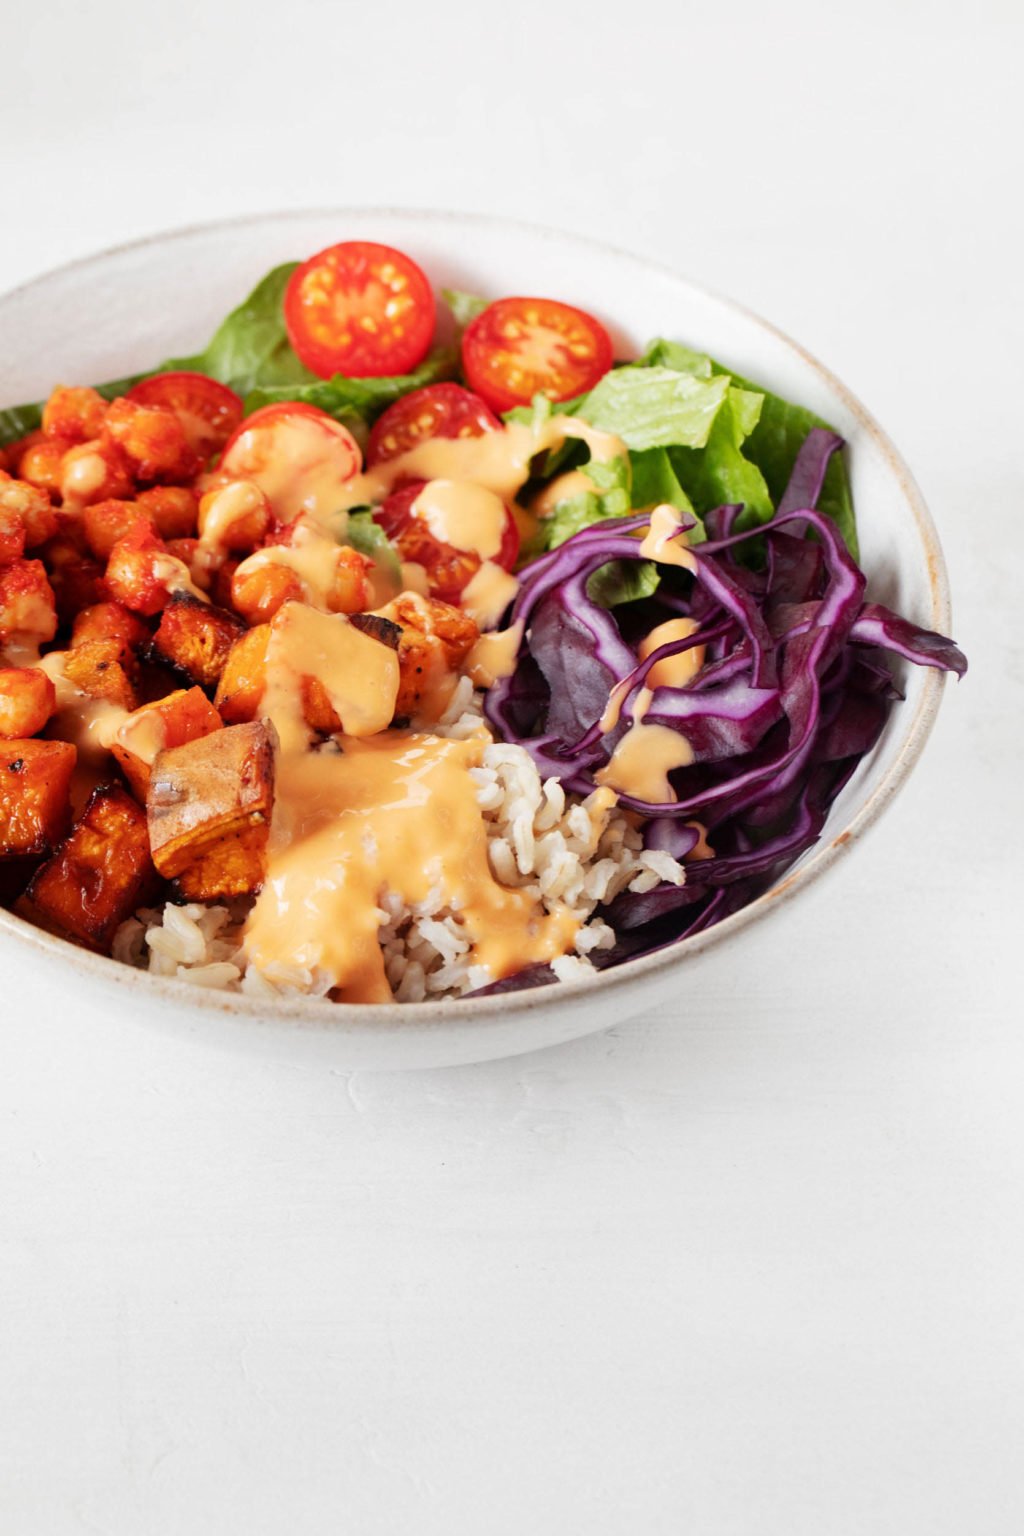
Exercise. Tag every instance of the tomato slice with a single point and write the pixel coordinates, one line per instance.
(440, 410)
(517, 348)
(209, 412)
(359, 308)
(449, 570)
(298, 456)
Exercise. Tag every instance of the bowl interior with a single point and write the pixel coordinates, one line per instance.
(125, 309)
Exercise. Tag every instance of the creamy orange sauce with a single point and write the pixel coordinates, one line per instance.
(702, 849)
(307, 472)
(642, 761)
(462, 514)
(494, 655)
(397, 813)
(90, 724)
(175, 575)
(488, 593)
(575, 482)
(497, 461)
(225, 508)
(313, 554)
(672, 671)
(358, 674)
(143, 734)
(665, 541)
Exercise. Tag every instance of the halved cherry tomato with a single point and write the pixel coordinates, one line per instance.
(517, 348)
(209, 412)
(359, 308)
(440, 410)
(449, 570)
(298, 456)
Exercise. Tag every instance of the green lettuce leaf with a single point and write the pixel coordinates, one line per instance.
(721, 472)
(623, 581)
(464, 306)
(771, 446)
(345, 398)
(370, 540)
(655, 407)
(251, 346)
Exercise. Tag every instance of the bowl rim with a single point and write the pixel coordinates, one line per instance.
(495, 1010)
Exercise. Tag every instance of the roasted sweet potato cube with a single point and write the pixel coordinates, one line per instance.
(27, 700)
(240, 690)
(435, 640)
(109, 621)
(209, 807)
(35, 781)
(169, 722)
(235, 865)
(195, 638)
(99, 668)
(99, 874)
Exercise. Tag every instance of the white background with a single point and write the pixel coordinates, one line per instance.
(751, 1264)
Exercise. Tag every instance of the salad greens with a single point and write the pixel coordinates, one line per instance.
(697, 434)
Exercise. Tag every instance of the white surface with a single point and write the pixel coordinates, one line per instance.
(753, 1263)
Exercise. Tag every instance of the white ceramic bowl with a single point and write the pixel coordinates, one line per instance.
(124, 309)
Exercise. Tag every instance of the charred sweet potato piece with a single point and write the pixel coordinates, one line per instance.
(35, 779)
(244, 677)
(169, 722)
(99, 874)
(435, 640)
(109, 621)
(195, 638)
(27, 700)
(98, 667)
(209, 807)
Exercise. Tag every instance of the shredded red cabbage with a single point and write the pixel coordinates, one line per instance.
(794, 691)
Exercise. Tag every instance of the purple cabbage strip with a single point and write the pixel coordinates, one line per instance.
(794, 691)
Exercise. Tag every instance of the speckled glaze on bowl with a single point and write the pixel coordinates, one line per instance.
(126, 308)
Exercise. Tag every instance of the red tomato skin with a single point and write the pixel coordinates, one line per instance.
(483, 342)
(196, 395)
(449, 570)
(267, 414)
(450, 410)
(346, 272)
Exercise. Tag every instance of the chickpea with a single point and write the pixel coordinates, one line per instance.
(152, 440)
(93, 471)
(27, 700)
(173, 510)
(75, 415)
(32, 506)
(235, 516)
(257, 594)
